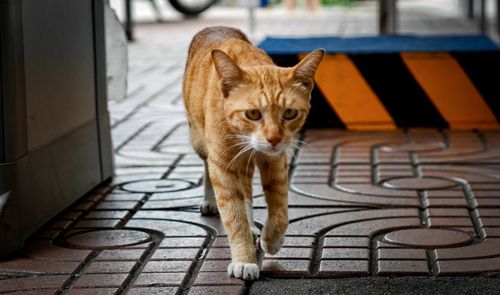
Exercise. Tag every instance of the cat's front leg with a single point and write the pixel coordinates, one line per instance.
(231, 203)
(274, 178)
(209, 205)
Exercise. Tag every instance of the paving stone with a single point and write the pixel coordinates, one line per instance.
(454, 212)
(124, 197)
(492, 232)
(38, 266)
(486, 248)
(98, 223)
(440, 222)
(105, 239)
(418, 183)
(219, 253)
(61, 224)
(285, 267)
(222, 290)
(337, 242)
(168, 266)
(110, 267)
(120, 255)
(299, 242)
(182, 242)
(153, 291)
(100, 280)
(292, 253)
(221, 242)
(110, 214)
(215, 265)
(427, 237)
(402, 267)
(29, 283)
(345, 253)
(471, 266)
(343, 267)
(71, 215)
(176, 253)
(393, 254)
(159, 279)
(47, 251)
(83, 206)
(92, 291)
(122, 205)
(35, 292)
(216, 279)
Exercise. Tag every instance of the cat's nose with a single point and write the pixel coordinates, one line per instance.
(274, 140)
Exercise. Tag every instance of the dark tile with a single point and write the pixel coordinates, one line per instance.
(92, 291)
(120, 255)
(23, 265)
(191, 242)
(402, 267)
(152, 291)
(110, 267)
(394, 254)
(471, 266)
(343, 267)
(219, 253)
(285, 267)
(222, 290)
(215, 265)
(167, 266)
(30, 283)
(292, 253)
(176, 253)
(216, 279)
(345, 253)
(100, 280)
(346, 242)
(160, 279)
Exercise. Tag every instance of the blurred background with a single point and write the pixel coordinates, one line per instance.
(324, 17)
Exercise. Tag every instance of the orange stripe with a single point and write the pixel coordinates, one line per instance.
(451, 91)
(350, 95)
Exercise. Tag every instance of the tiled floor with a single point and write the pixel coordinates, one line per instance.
(407, 203)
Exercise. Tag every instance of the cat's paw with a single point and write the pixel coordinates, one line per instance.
(272, 247)
(209, 207)
(245, 271)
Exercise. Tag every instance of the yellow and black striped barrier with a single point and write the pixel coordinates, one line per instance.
(383, 90)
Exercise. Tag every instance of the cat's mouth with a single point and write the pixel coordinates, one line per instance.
(273, 151)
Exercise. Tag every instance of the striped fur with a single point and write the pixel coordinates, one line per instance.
(225, 77)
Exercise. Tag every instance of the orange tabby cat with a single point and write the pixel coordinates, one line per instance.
(244, 111)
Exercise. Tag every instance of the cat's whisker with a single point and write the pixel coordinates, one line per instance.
(248, 162)
(241, 152)
(301, 142)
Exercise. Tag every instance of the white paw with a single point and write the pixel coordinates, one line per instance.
(209, 207)
(272, 248)
(246, 271)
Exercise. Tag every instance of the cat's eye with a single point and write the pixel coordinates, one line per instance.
(290, 114)
(253, 115)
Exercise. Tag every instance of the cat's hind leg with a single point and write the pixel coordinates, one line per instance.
(209, 204)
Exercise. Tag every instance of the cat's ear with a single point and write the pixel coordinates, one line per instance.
(230, 74)
(303, 72)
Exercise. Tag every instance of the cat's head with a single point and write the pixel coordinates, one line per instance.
(267, 105)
